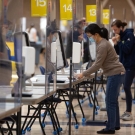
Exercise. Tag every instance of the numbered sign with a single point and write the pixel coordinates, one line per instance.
(66, 9)
(38, 7)
(91, 13)
(106, 16)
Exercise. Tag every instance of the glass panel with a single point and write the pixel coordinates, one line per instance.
(11, 67)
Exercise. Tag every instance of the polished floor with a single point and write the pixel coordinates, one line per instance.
(127, 127)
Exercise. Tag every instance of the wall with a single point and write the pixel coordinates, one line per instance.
(118, 6)
(80, 10)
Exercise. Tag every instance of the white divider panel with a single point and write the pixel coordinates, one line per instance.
(76, 52)
(92, 49)
(29, 54)
(56, 52)
(53, 52)
(59, 54)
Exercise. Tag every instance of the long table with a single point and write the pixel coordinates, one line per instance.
(7, 108)
(38, 91)
(40, 80)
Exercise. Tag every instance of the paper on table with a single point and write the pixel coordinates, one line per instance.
(34, 79)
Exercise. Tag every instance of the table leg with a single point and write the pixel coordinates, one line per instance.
(18, 123)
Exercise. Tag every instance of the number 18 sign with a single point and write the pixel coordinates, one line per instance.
(38, 7)
(66, 9)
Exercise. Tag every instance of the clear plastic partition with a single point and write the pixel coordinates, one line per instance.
(11, 66)
(81, 42)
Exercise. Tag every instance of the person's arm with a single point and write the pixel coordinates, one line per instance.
(101, 55)
(127, 46)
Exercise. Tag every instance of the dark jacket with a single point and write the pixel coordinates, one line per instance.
(125, 48)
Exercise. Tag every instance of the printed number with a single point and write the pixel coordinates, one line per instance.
(105, 15)
(68, 8)
(92, 12)
(40, 3)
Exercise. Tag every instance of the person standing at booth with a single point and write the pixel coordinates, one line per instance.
(124, 44)
(107, 59)
(51, 37)
(5, 63)
(32, 32)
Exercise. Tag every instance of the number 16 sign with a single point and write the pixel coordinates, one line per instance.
(66, 9)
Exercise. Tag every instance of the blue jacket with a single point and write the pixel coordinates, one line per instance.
(125, 48)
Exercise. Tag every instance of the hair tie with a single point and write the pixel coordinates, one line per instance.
(102, 30)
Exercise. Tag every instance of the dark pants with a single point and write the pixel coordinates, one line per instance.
(129, 76)
(112, 91)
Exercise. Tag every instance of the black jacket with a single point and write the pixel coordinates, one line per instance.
(125, 48)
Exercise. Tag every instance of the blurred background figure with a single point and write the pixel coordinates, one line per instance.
(78, 36)
(32, 32)
(5, 64)
(51, 37)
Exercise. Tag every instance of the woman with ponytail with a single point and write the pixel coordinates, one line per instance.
(107, 59)
(124, 44)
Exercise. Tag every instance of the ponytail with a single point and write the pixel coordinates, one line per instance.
(124, 24)
(104, 33)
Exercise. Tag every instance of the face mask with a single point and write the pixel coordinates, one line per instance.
(54, 39)
(91, 39)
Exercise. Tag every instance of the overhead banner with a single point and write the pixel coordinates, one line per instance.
(91, 13)
(65, 9)
(106, 16)
(38, 8)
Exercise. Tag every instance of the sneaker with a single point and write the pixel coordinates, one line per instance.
(127, 117)
(122, 116)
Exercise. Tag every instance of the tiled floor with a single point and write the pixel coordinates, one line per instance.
(127, 128)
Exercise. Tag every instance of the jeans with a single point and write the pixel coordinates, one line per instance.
(129, 76)
(112, 91)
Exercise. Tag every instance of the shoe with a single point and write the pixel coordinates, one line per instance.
(117, 128)
(127, 117)
(123, 115)
(103, 109)
(105, 131)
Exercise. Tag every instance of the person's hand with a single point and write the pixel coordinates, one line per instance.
(80, 38)
(117, 36)
(114, 40)
(79, 76)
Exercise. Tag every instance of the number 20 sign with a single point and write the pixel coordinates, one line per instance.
(66, 9)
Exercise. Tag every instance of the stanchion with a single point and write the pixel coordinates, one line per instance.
(70, 97)
(94, 96)
(93, 121)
